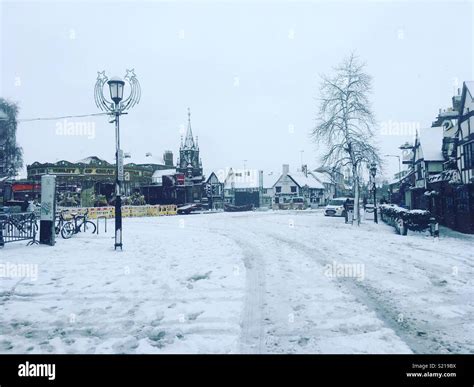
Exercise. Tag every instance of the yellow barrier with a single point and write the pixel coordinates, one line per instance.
(173, 209)
(153, 210)
(127, 211)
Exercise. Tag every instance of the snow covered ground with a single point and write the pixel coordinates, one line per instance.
(254, 282)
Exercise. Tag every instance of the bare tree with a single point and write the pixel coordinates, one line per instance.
(345, 120)
(11, 155)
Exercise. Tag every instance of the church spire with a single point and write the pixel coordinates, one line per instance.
(189, 141)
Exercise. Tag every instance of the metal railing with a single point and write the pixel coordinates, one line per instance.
(18, 227)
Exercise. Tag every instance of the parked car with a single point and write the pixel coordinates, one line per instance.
(336, 206)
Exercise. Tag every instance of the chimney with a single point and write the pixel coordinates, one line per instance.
(168, 158)
(286, 169)
(304, 169)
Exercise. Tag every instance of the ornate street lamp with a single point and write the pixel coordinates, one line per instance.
(373, 172)
(116, 108)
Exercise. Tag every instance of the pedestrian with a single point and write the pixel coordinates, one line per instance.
(24, 205)
(346, 210)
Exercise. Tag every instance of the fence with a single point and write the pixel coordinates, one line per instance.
(404, 220)
(127, 211)
(18, 227)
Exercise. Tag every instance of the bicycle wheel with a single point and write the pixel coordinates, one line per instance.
(68, 230)
(89, 226)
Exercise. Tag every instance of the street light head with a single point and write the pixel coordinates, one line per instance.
(373, 169)
(116, 89)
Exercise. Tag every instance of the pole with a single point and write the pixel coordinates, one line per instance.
(375, 203)
(118, 199)
(399, 169)
(211, 203)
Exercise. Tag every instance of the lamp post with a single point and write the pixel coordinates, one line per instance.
(116, 108)
(373, 172)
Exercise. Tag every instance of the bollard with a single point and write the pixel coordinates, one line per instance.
(98, 223)
(2, 242)
(434, 228)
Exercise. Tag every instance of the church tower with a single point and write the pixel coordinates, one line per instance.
(189, 162)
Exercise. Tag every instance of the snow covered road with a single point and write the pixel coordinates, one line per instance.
(256, 282)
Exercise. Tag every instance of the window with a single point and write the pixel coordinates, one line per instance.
(293, 188)
(469, 155)
(278, 189)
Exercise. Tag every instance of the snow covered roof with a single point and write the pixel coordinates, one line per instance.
(470, 87)
(431, 142)
(302, 180)
(269, 179)
(145, 158)
(246, 179)
(157, 176)
(91, 160)
(322, 177)
(208, 172)
(241, 179)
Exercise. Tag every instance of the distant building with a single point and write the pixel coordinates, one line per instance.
(214, 192)
(465, 159)
(93, 172)
(465, 143)
(242, 186)
(189, 174)
(298, 184)
(428, 161)
(440, 173)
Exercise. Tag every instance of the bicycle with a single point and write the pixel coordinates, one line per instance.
(61, 219)
(74, 226)
(24, 224)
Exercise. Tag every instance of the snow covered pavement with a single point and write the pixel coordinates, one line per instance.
(254, 282)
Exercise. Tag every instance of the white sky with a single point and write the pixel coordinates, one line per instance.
(248, 71)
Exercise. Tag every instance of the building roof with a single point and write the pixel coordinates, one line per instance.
(470, 87)
(302, 180)
(241, 179)
(322, 177)
(431, 141)
(269, 179)
(145, 158)
(159, 173)
(91, 160)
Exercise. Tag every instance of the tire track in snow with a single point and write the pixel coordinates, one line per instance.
(251, 338)
(252, 324)
(373, 301)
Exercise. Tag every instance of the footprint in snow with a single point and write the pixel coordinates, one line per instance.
(198, 277)
(303, 341)
(194, 316)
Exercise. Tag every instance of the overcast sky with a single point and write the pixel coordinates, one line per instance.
(249, 71)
